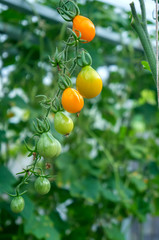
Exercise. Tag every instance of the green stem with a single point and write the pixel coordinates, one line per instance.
(143, 14)
(144, 21)
(75, 62)
(26, 176)
(144, 38)
(66, 52)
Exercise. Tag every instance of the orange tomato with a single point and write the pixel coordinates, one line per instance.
(72, 101)
(88, 82)
(85, 26)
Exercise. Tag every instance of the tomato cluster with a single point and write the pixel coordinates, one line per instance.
(42, 186)
(88, 85)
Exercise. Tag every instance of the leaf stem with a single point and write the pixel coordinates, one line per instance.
(141, 30)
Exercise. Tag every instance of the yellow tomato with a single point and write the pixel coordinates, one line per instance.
(88, 82)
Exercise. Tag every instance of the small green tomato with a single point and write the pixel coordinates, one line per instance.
(48, 146)
(17, 204)
(63, 124)
(42, 185)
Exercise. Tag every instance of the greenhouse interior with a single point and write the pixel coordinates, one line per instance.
(79, 120)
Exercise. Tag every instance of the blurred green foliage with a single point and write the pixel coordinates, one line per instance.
(109, 168)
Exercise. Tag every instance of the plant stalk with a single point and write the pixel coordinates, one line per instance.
(141, 30)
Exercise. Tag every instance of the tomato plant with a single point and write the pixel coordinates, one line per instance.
(17, 204)
(62, 123)
(103, 150)
(72, 101)
(48, 146)
(85, 26)
(65, 98)
(42, 185)
(88, 82)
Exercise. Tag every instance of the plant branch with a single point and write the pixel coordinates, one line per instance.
(141, 30)
(143, 14)
(144, 21)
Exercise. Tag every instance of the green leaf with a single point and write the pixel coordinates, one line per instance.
(109, 195)
(28, 209)
(18, 101)
(3, 136)
(88, 188)
(138, 182)
(6, 180)
(63, 160)
(114, 233)
(146, 65)
(41, 227)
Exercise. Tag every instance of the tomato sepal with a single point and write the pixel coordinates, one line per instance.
(84, 59)
(68, 10)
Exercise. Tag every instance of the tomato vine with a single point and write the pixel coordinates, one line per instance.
(66, 98)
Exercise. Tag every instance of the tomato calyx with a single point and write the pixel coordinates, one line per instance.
(64, 81)
(57, 60)
(68, 10)
(41, 126)
(75, 38)
(56, 104)
(17, 194)
(84, 59)
(78, 114)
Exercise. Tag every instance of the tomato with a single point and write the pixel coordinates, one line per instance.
(88, 82)
(17, 204)
(85, 26)
(72, 101)
(42, 185)
(62, 123)
(48, 146)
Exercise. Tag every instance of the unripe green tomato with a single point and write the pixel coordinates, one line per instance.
(42, 185)
(17, 204)
(62, 123)
(48, 146)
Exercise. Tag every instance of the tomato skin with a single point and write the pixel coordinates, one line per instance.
(88, 82)
(85, 26)
(72, 101)
(48, 146)
(17, 204)
(42, 185)
(62, 123)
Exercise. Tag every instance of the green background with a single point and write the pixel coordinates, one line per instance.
(108, 172)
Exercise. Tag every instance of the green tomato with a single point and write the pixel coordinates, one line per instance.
(62, 123)
(48, 146)
(42, 185)
(17, 204)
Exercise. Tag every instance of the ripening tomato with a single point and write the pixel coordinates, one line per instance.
(85, 26)
(62, 123)
(88, 82)
(72, 101)
(48, 146)
(42, 185)
(17, 204)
